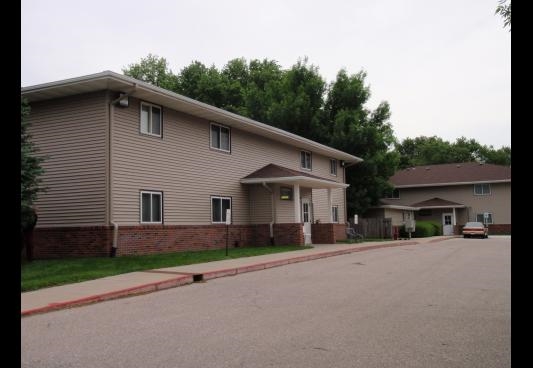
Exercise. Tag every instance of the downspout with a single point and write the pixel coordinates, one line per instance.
(273, 214)
(110, 181)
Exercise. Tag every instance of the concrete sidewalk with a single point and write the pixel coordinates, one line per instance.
(59, 297)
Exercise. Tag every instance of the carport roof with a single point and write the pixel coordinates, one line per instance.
(272, 173)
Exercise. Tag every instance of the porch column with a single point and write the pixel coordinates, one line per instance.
(329, 206)
(297, 217)
(453, 218)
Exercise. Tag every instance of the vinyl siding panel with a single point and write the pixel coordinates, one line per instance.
(182, 165)
(498, 202)
(72, 133)
(320, 204)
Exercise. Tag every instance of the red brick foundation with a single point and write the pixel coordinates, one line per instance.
(178, 238)
(288, 234)
(66, 242)
(323, 233)
(340, 231)
(500, 229)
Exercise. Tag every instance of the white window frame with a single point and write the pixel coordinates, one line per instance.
(150, 120)
(221, 215)
(333, 167)
(310, 160)
(220, 140)
(482, 192)
(151, 192)
(391, 196)
(482, 218)
(335, 211)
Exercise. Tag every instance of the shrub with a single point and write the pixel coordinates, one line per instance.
(424, 229)
(437, 227)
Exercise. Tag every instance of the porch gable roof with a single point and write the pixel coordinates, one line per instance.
(437, 203)
(272, 173)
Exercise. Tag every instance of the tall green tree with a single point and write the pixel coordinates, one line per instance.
(505, 11)
(30, 169)
(434, 150)
(154, 70)
(367, 134)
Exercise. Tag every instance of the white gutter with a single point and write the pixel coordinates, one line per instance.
(273, 214)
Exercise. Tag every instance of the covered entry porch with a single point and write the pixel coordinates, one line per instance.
(309, 207)
(448, 213)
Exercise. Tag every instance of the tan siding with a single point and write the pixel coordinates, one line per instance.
(260, 205)
(320, 204)
(71, 132)
(498, 202)
(182, 165)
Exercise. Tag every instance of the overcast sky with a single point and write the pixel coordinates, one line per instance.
(444, 66)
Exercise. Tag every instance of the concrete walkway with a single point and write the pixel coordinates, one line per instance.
(59, 297)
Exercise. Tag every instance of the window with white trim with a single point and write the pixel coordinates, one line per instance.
(219, 205)
(481, 189)
(220, 137)
(305, 160)
(151, 119)
(480, 217)
(333, 167)
(335, 213)
(394, 194)
(151, 207)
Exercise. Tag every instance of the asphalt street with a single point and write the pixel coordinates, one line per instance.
(445, 304)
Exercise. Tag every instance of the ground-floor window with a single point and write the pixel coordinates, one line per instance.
(219, 205)
(151, 207)
(335, 213)
(480, 217)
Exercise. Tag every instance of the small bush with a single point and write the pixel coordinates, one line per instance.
(424, 229)
(437, 227)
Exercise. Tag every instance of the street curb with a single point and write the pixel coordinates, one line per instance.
(189, 279)
(141, 289)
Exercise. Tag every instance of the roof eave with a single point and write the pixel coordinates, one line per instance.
(451, 183)
(174, 100)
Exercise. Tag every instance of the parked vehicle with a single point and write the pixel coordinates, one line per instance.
(472, 229)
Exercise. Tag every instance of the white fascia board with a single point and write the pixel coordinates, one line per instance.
(297, 180)
(453, 183)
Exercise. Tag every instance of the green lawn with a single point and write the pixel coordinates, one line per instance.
(44, 273)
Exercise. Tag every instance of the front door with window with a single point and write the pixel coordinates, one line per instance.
(447, 224)
(307, 219)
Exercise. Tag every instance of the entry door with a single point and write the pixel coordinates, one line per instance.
(447, 224)
(307, 219)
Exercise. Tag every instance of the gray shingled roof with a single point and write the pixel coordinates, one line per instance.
(469, 172)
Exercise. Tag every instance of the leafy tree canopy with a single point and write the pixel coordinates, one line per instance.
(434, 150)
(300, 101)
(505, 11)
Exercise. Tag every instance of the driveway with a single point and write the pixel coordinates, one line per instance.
(444, 304)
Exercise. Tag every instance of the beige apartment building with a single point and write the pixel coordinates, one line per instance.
(451, 194)
(132, 168)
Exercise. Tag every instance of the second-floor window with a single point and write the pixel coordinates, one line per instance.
(151, 121)
(305, 160)
(481, 189)
(394, 194)
(333, 167)
(220, 138)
